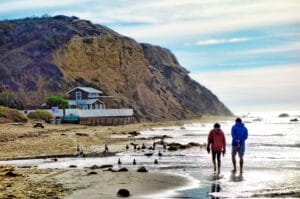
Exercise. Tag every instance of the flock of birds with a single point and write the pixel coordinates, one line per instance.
(143, 147)
(136, 147)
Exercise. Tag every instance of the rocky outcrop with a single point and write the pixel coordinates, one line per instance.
(43, 56)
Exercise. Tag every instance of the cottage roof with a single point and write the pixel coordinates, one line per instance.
(83, 102)
(86, 89)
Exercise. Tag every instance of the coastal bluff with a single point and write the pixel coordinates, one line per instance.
(49, 55)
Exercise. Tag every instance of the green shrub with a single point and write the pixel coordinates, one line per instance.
(58, 101)
(11, 115)
(40, 115)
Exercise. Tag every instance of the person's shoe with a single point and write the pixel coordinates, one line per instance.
(233, 170)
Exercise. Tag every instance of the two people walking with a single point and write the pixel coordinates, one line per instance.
(216, 143)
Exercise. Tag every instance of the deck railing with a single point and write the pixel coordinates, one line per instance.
(100, 112)
(83, 113)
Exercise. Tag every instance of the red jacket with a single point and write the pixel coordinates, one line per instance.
(216, 136)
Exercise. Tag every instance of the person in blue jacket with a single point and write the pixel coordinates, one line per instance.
(239, 135)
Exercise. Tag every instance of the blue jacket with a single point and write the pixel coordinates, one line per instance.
(239, 134)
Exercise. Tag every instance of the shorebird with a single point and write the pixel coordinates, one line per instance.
(134, 162)
(165, 147)
(143, 146)
(155, 161)
(81, 154)
(159, 153)
(105, 148)
(154, 144)
(119, 161)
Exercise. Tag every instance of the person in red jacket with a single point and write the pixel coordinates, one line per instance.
(217, 144)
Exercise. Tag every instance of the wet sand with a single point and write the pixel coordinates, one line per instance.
(83, 183)
(105, 184)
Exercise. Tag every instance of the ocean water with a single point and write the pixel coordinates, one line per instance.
(271, 161)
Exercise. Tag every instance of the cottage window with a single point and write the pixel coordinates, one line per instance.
(78, 95)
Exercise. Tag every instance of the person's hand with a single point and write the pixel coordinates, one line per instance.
(224, 152)
(208, 149)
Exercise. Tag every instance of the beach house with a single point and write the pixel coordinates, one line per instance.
(89, 106)
(85, 98)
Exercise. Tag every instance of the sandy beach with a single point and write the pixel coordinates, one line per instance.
(19, 140)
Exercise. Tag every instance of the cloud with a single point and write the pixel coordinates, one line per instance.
(294, 46)
(267, 88)
(13, 5)
(220, 41)
(204, 17)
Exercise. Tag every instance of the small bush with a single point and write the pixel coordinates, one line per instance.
(11, 115)
(58, 101)
(40, 115)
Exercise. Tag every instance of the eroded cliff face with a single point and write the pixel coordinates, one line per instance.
(188, 92)
(147, 78)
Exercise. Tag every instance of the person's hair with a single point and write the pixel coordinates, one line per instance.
(238, 120)
(217, 125)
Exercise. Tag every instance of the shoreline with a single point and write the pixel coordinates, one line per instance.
(175, 192)
(22, 141)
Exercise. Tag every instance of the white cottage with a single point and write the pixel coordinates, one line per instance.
(85, 98)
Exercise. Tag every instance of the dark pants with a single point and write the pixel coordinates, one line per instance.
(218, 154)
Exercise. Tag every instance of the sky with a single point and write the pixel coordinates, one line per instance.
(247, 52)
